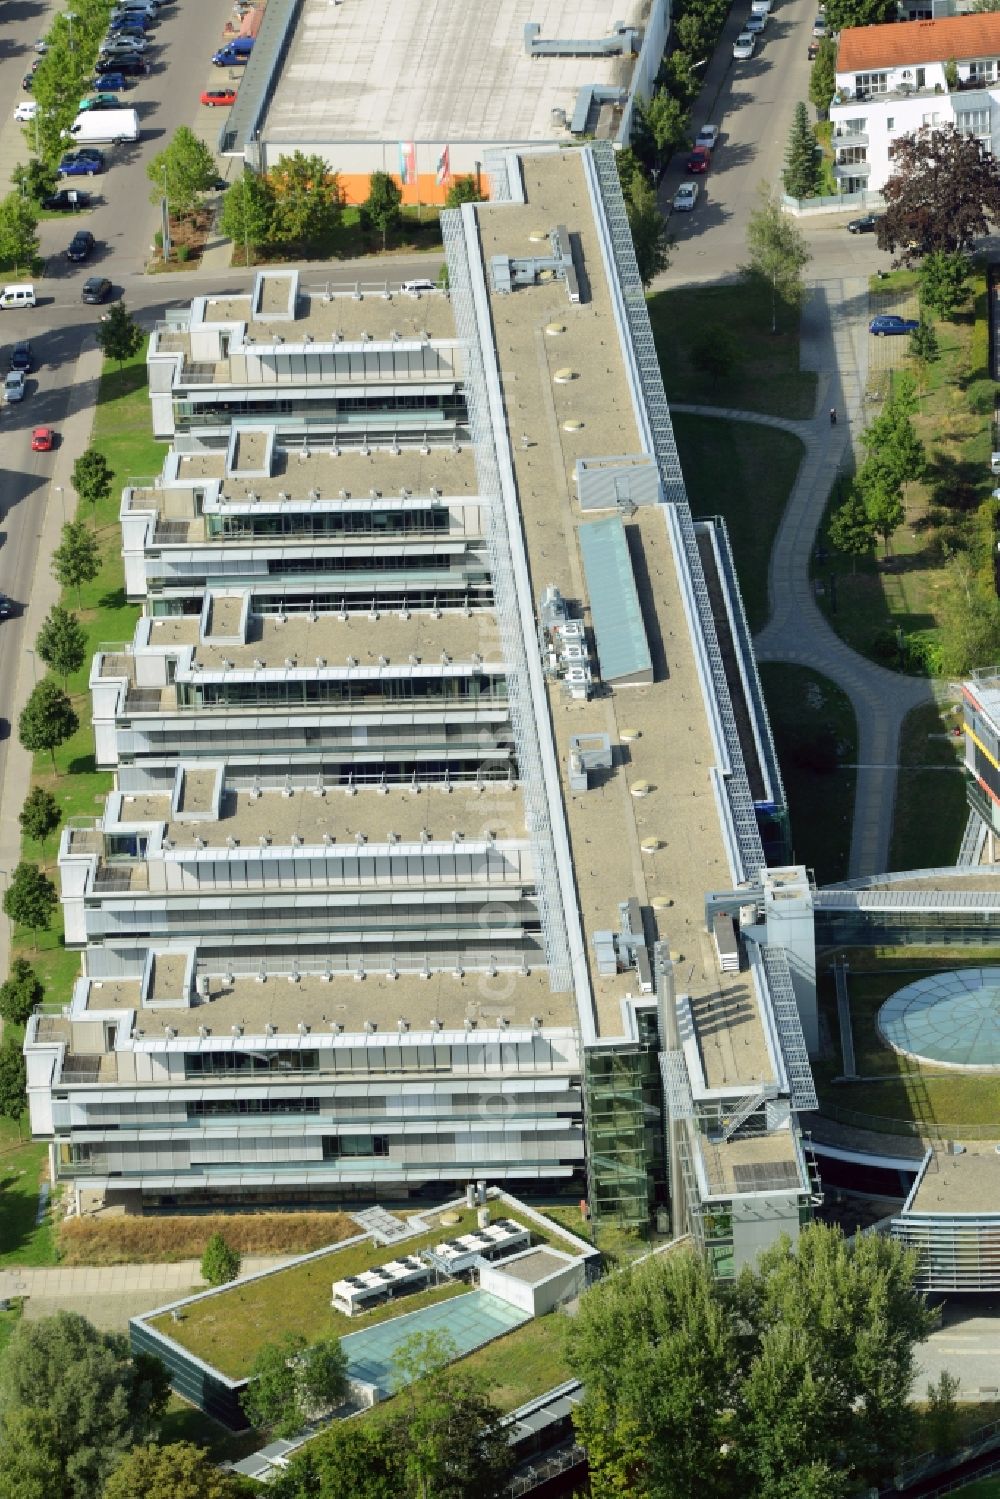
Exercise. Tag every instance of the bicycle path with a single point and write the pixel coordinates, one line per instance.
(834, 345)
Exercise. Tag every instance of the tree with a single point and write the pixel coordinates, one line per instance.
(119, 336)
(183, 169)
(801, 173)
(462, 190)
(39, 815)
(851, 530)
(62, 642)
(661, 128)
(91, 477)
(716, 352)
(778, 253)
(30, 898)
(30, 1469)
(47, 719)
(446, 1432)
(13, 1080)
(943, 193)
(800, 1369)
(221, 1262)
(845, 13)
(248, 212)
(89, 1400)
(179, 1470)
(942, 1413)
(823, 76)
(895, 454)
(924, 342)
(35, 179)
(291, 1381)
(307, 199)
(649, 230)
(77, 559)
(349, 1460)
(970, 617)
(20, 992)
(18, 231)
(944, 282)
(883, 502)
(383, 203)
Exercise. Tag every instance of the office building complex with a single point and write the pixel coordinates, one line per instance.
(445, 794)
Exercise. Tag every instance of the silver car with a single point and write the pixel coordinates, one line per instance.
(744, 45)
(13, 386)
(686, 197)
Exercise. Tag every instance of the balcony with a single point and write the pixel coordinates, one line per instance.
(842, 169)
(844, 138)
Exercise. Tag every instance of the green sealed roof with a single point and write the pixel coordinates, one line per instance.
(622, 647)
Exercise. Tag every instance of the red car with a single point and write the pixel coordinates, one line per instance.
(42, 440)
(700, 159)
(213, 97)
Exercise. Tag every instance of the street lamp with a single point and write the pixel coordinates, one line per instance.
(34, 664)
(70, 18)
(62, 499)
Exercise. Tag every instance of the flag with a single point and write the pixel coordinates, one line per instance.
(407, 162)
(444, 168)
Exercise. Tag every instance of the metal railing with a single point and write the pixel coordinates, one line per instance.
(914, 1129)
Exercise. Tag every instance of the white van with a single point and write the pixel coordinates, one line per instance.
(414, 288)
(22, 295)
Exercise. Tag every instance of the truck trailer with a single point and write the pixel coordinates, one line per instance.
(97, 127)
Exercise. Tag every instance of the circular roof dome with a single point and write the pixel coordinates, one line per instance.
(949, 1019)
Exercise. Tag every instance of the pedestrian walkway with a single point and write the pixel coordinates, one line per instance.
(44, 591)
(109, 1295)
(834, 345)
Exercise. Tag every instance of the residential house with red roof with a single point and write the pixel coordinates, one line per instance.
(896, 79)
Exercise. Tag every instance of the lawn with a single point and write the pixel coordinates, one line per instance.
(227, 1330)
(897, 1091)
(22, 1242)
(875, 597)
(987, 1488)
(767, 376)
(8, 1321)
(816, 736)
(418, 231)
(930, 775)
(743, 472)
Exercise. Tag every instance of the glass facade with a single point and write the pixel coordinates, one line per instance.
(623, 1109)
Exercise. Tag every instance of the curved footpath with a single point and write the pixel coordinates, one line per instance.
(834, 345)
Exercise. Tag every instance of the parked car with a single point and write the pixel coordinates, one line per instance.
(755, 24)
(13, 386)
(26, 111)
(686, 197)
(111, 80)
(819, 28)
(6, 606)
(98, 102)
(96, 289)
(128, 46)
(28, 82)
(214, 97)
(87, 162)
(41, 47)
(43, 440)
(81, 246)
(888, 322)
(67, 200)
(812, 51)
(127, 26)
(867, 224)
(699, 160)
(743, 46)
(121, 65)
(21, 356)
(707, 136)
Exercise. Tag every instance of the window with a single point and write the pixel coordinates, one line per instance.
(354, 1145)
(890, 123)
(973, 122)
(871, 83)
(849, 155)
(851, 127)
(929, 120)
(982, 72)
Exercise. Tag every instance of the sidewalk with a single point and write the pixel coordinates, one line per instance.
(42, 592)
(109, 1295)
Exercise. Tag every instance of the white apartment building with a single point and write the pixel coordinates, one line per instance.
(894, 80)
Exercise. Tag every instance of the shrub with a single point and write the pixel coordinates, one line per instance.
(183, 253)
(221, 1262)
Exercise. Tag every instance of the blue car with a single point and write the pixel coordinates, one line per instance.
(113, 83)
(83, 163)
(890, 323)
